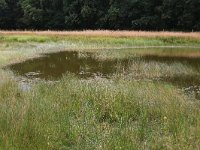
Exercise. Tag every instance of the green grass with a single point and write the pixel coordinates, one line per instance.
(119, 113)
(98, 114)
(25, 38)
(103, 41)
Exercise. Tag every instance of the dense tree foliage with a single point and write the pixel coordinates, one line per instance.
(100, 14)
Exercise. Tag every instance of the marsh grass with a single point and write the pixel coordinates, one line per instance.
(152, 70)
(105, 40)
(123, 53)
(119, 113)
(98, 114)
(107, 33)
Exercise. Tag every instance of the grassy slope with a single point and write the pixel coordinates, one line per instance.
(120, 113)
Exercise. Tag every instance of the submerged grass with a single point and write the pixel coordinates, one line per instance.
(120, 113)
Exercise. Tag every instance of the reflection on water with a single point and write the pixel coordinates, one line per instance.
(54, 66)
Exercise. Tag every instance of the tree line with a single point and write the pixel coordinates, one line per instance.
(100, 14)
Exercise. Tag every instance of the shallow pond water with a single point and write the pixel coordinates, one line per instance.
(54, 66)
(85, 65)
(188, 83)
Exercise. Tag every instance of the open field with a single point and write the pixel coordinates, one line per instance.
(128, 110)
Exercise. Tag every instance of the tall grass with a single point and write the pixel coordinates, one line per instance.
(98, 114)
(106, 38)
(108, 33)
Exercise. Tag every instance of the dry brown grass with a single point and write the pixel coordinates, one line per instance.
(107, 33)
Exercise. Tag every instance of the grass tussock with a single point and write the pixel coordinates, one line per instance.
(98, 114)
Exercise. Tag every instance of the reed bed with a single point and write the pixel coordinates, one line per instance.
(108, 33)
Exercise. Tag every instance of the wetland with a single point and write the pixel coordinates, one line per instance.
(99, 92)
(85, 65)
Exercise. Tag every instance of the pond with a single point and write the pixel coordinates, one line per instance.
(53, 66)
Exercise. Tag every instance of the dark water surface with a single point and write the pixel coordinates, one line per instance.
(54, 66)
